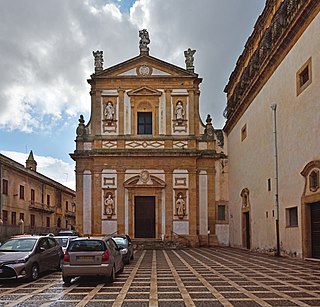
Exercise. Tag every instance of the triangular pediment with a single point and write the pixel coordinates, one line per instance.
(138, 182)
(144, 91)
(144, 66)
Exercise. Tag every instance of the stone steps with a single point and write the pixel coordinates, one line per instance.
(156, 244)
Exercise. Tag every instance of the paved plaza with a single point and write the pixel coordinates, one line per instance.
(192, 277)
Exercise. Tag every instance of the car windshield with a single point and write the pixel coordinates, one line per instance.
(120, 240)
(62, 241)
(86, 246)
(18, 245)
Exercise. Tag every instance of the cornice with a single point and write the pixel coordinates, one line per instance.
(287, 25)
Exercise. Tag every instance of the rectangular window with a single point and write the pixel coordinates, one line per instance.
(304, 77)
(21, 192)
(269, 184)
(67, 206)
(21, 217)
(48, 221)
(13, 218)
(32, 220)
(292, 217)
(221, 212)
(5, 216)
(32, 196)
(144, 122)
(243, 132)
(5, 185)
(48, 200)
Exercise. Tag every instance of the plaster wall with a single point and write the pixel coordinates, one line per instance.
(251, 161)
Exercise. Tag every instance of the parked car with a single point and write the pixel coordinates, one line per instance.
(126, 247)
(64, 241)
(26, 256)
(70, 233)
(89, 256)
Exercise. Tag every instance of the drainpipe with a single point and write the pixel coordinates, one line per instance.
(276, 175)
(0, 191)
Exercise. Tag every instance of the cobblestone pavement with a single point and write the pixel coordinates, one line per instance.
(193, 277)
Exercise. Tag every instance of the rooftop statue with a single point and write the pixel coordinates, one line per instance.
(98, 60)
(189, 59)
(144, 41)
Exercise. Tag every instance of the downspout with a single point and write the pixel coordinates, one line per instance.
(276, 175)
(0, 191)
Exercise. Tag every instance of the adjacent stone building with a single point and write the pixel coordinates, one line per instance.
(146, 164)
(273, 126)
(31, 202)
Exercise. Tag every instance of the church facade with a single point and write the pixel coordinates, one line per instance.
(146, 164)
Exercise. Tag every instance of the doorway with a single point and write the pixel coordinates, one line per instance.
(246, 230)
(315, 229)
(144, 217)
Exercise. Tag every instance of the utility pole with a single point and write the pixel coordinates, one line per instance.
(276, 174)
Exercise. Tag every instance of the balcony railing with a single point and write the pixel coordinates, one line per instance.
(40, 207)
(70, 214)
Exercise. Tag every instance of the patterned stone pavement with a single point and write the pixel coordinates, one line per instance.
(193, 277)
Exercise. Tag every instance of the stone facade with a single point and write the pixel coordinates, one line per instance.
(31, 202)
(273, 153)
(146, 164)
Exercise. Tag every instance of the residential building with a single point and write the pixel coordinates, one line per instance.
(31, 202)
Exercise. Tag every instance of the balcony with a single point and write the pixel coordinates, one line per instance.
(35, 206)
(70, 214)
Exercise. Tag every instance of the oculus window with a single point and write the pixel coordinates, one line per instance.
(144, 122)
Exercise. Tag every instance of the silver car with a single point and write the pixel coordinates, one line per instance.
(92, 257)
(27, 256)
(64, 241)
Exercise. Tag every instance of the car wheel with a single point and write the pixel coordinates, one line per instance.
(127, 261)
(34, 272)
(59, 267)
(112, 277)
(66, 279)
(122, 268)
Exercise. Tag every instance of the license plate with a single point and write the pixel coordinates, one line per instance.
(84, 257)
(1, 271)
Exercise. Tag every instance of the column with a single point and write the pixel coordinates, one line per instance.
(191, 112)
(121, 111)
(168, 112)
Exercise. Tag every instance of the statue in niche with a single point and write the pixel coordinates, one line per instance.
(179, 111)
(245, 198)
(109, 111)
(189, 58)
(98, 60)
(109, 206)
(180, 207)
(144, 40)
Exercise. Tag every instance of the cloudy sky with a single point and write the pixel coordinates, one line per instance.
(46, 57)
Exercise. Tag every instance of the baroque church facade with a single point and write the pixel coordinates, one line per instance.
(146, 164)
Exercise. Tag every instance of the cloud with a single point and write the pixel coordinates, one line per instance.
(52, 168)
(46, 50)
